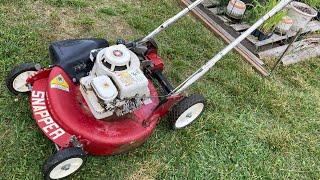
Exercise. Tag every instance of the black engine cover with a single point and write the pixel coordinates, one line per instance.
(73, 56)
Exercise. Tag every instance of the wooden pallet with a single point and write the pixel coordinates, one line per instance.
(253, 50)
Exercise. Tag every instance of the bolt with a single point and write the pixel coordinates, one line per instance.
(38, 67)
(189, 115)
(66, 167)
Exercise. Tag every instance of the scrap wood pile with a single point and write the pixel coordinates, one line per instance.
(229, 18)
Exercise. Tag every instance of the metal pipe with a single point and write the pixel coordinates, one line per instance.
(204, 69)
(170, 21)
(286, 50)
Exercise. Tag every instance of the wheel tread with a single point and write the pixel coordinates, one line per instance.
(15, 72)
(61, 156)
(178, 109)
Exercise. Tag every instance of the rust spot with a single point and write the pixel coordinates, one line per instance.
(128, 147)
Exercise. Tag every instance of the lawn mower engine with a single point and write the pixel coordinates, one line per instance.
(115, 85)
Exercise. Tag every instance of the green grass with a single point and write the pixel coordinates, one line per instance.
(84, 21)
(108, 11)
(313, 3)
(253, 127)
(74, 3)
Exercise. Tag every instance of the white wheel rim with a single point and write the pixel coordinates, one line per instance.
(20, 82)
(189, 115)
(66, 168)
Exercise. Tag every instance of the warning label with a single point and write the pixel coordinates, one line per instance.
(59, 83)
(126, 78)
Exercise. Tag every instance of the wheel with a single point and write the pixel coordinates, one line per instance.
(16, 80)
(64, 163)
(187, 111)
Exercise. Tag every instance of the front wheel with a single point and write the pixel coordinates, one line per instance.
(187, 111)
(64, 163)
(16, 80)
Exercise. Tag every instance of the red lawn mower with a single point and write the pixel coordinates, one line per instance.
(98, 99)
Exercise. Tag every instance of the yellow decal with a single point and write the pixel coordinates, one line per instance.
(126, 78)
(59, 83)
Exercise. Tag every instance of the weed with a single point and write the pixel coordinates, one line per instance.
(108, 11)
(312, 3)
(260, 9)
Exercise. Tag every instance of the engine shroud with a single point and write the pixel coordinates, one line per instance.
(116, 84)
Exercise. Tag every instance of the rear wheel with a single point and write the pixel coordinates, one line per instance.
(16, 80)
(187, 111)
(64, 163)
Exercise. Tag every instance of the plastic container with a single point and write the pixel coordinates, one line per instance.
(236, 9)
(301, 15)
(285, 25)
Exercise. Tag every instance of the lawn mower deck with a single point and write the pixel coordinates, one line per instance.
(64, 115)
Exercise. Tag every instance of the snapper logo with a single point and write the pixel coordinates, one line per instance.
(43, 117)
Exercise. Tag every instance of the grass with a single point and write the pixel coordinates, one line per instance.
(72, 3)
(253, 127)
(108, 11)
(259, 10)
(314, 3)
